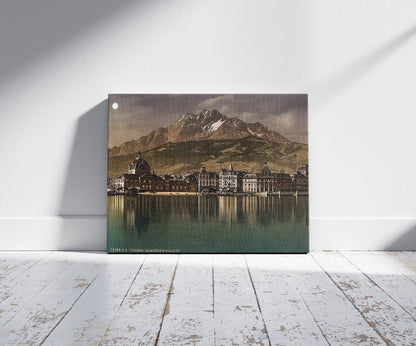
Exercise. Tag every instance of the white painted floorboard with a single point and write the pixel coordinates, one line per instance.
(237, 316)
(139, 317)
(189, 315)
(385, 315)
(90, 318)
(15, 294)
(336, 298)
(43, 312)
(339, 320)
(386, 276)
(12, 264)
(287, 317)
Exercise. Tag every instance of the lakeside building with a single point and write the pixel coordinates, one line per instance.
(250, 183)
(119, 183)
(269, 182)
(115, 185)
(139, 166)
(273, 182)
(140, 178)
(300, 178)
(230, 180)
(207, 181)
(304, 170)
(300, 182)
(283, 182)
(265, 180)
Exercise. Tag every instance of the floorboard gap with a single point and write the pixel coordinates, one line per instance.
(167, 301)
(352, 303)
(70, 308)
(373, 282)
(257, 300)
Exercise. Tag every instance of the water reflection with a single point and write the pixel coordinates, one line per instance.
(208, 224)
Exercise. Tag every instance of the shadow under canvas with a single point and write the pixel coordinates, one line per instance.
(83, 202)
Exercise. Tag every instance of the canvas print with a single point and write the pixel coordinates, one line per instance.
(199, 173)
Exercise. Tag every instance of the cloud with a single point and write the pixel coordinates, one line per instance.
(285, 113)
(221, 103)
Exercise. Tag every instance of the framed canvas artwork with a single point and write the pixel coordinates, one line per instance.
(205, 173)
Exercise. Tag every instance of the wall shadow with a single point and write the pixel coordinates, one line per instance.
(83, 205)
(84, 191)
(349, 75)
(31, 29)
(407, 242)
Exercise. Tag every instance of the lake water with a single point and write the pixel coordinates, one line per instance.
(208, 224)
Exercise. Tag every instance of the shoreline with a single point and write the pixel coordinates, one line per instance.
(231, 194)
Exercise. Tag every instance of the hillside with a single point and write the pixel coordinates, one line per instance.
(246, 154)
(198, 127)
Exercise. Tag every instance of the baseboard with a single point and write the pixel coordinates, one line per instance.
(362, 234)
(89, 233)
(54, 233)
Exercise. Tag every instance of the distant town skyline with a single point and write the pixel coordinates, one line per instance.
(140, 178)
(137, 115)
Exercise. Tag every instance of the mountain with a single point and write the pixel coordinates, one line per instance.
(198, 127)
(246, 154)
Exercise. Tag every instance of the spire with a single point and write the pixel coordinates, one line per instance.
(230, 167)
(266, 171)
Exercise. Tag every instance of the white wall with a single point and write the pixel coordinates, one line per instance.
(60, 59)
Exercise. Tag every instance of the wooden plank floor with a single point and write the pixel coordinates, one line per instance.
(88, 298)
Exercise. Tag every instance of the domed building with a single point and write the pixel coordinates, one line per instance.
(140, 179)
(139, 176)
(139, 166)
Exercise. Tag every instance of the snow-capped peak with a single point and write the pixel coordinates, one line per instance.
(212, 127)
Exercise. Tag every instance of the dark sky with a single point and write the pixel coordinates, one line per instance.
(137, 115)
